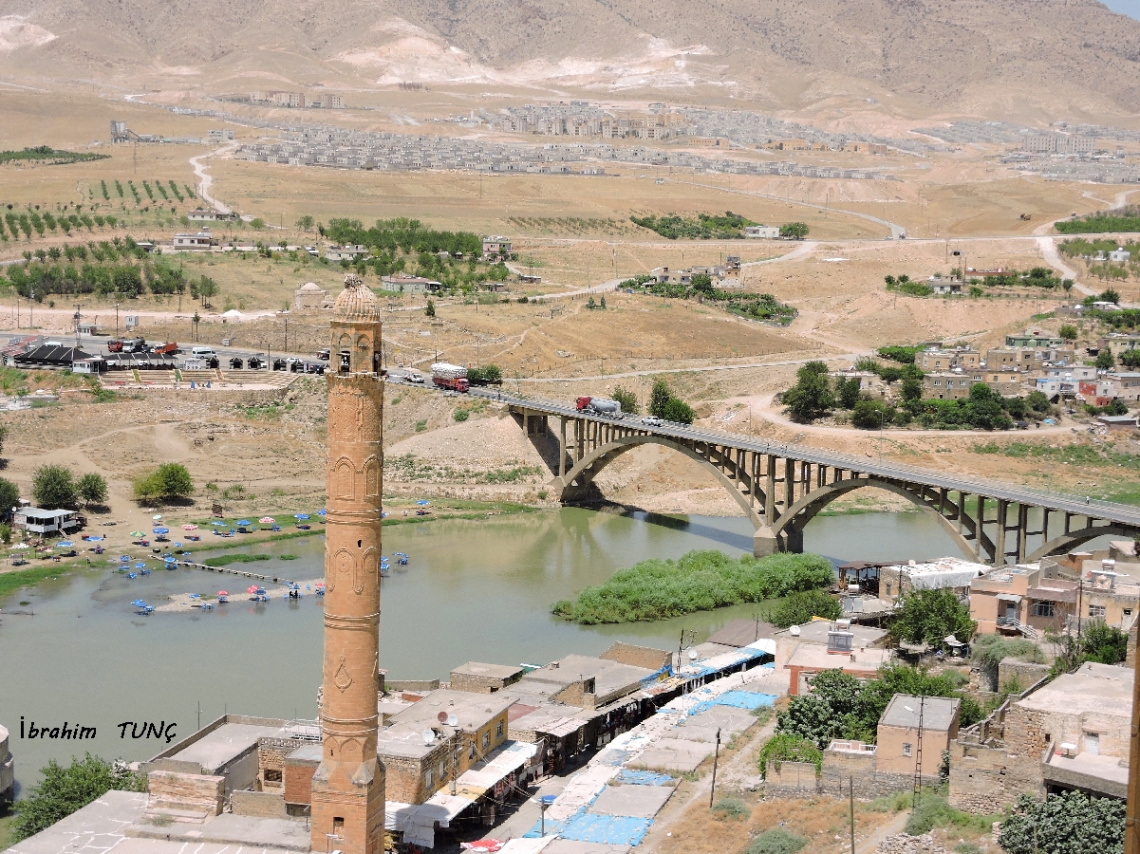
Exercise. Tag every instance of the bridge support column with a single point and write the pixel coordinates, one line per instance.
(765, 542)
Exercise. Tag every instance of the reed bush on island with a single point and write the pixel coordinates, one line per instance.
(698, 581)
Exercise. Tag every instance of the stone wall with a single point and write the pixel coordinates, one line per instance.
(299, 782)
(406, 777)
(1026, 673)
(193, 792)
(262, 804)
(791, 780)
(271, 753)
(985, 777)
(842, 768)
(1025, 731)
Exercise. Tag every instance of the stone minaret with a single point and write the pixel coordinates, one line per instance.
(348, 786)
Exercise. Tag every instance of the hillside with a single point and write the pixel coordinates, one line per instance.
(1058, 58)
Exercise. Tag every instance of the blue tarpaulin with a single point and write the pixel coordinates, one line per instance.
(553, 828)
(644, 778)
(607, 829)
(736, 700)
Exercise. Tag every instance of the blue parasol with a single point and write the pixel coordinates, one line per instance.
(64, 544)
(217, 523)
(322, 512)
(423, 502)
(301, 516)
(125, 559)
(140, 565)
(242, 523)
(160, 530)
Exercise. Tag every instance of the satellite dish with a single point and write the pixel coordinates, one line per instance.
(794, 631)
(441, 717)
(452, 720)
(692, 654)
(428, 736)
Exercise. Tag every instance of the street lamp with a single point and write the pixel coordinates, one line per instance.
(881, 415)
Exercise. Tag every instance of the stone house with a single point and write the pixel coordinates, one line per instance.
(898, 739)
(1021, 600)
(402, 284)
(478, 678)
(496, 247)
(1033, 338)
(762, 232)
(935, 360)
(871, 385)
(310, 297)
(946, 386)
(200, 240)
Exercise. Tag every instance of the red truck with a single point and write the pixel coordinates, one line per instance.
(114, 346)
(170, 348)
(453, 377)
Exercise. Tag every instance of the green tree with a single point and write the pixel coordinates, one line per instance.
(9, 497)
(1103, 643)
(810, 717)
(53, 487)
(911, 390)
(429, 311)
(872, 415)
(168, 482)
(658, 398)
(1068, 332)
(799, 608)
(811, 397)
(794, 230)
(92, 488)
(65, 790)
(1110, 295)
(847, 390)
(627, 399)
(3, 435)
(701, 283)
(678, 411)
(1130, 358)
(257, 223)
(928, 616)
(305, 223)
(1105, 360)
(1065, 823)
(1037, 401)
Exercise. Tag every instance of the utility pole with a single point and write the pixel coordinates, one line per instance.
(1131, 824)
(918, 754)
(716, 758)
(851, 808)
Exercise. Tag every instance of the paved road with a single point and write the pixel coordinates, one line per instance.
(1106, 510)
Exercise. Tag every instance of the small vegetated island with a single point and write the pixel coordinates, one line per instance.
(698, 581)
(45, 155)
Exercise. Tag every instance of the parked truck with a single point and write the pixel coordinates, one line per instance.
(600, 406)
(449, 376)
(134, 345)
(170, 348)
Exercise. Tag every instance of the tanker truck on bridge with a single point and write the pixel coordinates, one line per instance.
(599, 406)
(449, 376)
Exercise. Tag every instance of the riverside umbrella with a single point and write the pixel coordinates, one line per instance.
(189, 527)
(301, 516)
(64, 544)
(156, 516)
(137, 534)
(251, 589)
(160, 530)
(242, 523)
(266, 520)
(322, 512)
(219, 524)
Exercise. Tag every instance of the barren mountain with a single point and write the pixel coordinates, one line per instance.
(1035, 57)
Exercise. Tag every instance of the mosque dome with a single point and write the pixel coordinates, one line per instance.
(311, 288)
(356, 303)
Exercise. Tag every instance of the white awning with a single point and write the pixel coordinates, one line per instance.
(1008, 597)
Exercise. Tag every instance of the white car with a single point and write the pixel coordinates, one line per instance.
(652, 421)
(414, 378)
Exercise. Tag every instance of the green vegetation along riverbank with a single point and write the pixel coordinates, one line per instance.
(697, 581)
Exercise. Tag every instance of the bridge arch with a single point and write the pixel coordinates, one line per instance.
(1076, 538)
(586, 469)
(791, 523)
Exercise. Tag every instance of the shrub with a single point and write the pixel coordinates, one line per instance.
(776, 840)
(65, 790)
(731, 808)
(460, 414)
(787, 747)
(801, 607)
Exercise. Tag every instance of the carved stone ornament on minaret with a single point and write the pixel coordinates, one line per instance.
(348, 785)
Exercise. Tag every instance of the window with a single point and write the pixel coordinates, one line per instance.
(338, 825)
(471, 750)
(1096, 611)
(1128, 612)
(442, 770)
(906, 748)
(1042, 609)
(428, 778)
(272, 775)
(499, 730)
(486, 739)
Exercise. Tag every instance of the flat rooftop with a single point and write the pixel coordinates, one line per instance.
(493, 671)
(814, 656)
(937, 712)
(816, 631)
(609, 676)
(472, 711)
(1101, 688)
(231, 740)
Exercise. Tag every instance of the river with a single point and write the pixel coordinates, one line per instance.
(474, 590)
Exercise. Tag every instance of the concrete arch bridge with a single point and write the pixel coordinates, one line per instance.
(781, 488)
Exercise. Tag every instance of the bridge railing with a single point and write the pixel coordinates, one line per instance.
(955, 483)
